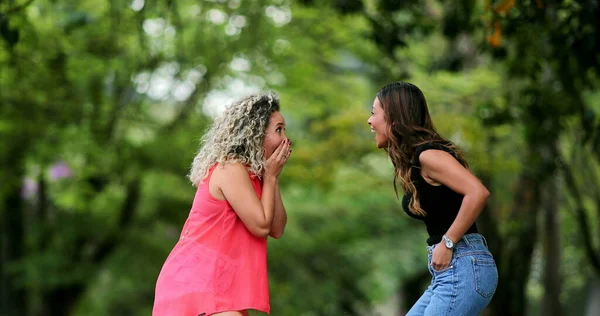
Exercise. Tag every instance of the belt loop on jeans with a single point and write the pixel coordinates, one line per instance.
(466, 240)
(430, 249)
(484, 241)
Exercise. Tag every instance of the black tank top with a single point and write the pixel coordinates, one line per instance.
(439, 202)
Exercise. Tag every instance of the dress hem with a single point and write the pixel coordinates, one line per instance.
(236, 309)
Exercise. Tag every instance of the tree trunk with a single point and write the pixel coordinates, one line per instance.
(593, 302)
(61, 301)
(517, 250)
(551, 305)
(487, 223)
(13, 298)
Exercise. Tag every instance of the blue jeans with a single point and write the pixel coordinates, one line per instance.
(465, 287)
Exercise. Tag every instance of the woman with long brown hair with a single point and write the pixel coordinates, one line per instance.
(442, 192)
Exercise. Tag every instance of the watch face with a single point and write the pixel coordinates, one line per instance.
(449, 243)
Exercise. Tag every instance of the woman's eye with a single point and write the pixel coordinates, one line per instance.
(278, 129)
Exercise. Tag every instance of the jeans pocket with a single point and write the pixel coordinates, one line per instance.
(449, 267)
(486, 276)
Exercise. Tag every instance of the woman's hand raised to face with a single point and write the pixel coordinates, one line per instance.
(278, 159)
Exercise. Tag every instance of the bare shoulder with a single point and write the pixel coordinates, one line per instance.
(436, 158)
(441, 167)
(230, 170)
(228, 175)
(232, 167)
(437, 165)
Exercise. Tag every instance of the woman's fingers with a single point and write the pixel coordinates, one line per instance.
(284, 148)
(276, 153)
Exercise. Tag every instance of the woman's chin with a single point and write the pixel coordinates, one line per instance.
(380, 143)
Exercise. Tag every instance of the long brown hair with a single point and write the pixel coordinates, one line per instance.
(409, 126)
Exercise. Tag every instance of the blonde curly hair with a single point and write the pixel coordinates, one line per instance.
(236, 136)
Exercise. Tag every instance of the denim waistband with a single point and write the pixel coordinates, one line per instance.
(473, 239)
(468, 240)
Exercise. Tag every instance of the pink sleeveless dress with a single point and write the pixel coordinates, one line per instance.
(217, 265)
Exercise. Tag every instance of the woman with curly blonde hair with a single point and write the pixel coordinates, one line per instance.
(442, 192)
(219, 265)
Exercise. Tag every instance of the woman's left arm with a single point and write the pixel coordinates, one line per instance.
(279, 217)
(441, 167)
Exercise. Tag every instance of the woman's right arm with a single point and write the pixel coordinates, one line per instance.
(237, 188)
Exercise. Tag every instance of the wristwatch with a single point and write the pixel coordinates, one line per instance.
(449, 243)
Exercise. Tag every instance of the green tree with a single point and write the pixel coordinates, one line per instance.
(111, 91)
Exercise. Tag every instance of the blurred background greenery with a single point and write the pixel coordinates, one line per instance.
(103, 103)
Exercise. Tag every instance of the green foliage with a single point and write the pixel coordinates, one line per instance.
(120, 92)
